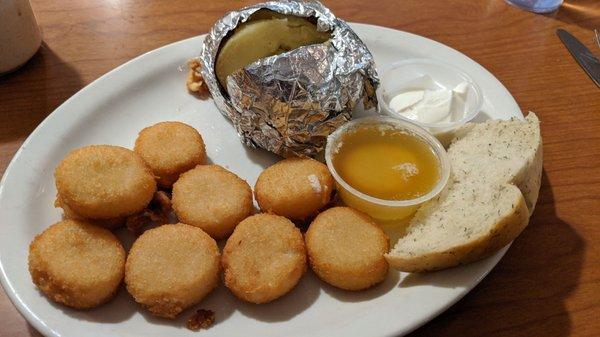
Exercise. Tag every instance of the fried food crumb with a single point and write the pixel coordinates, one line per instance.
(201, 319)
(195, 83)
(162, 202)
(158, 212)
(136, 223)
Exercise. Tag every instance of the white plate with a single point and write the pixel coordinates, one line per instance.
(149, 89)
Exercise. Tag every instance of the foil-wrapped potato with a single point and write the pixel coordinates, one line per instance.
(287, 74)
(266, 33)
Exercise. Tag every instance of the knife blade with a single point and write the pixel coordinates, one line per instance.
(588, 61)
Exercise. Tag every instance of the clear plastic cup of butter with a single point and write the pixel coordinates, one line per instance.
(431, 93)
(386, 167)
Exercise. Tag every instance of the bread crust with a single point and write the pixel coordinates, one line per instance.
(508, 227)
(532, 178)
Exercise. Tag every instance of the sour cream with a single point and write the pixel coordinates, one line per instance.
(431, 106)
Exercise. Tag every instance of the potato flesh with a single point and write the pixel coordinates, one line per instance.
(260, 38)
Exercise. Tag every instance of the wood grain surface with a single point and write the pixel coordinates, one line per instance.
(548, 284)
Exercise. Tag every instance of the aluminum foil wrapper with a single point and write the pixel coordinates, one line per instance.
(289, 103)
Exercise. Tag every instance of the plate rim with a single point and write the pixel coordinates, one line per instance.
(46, 330)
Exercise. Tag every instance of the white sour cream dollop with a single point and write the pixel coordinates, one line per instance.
(431, 106)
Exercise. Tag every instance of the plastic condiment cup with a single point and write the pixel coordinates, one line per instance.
(381, 209)
(420, 74)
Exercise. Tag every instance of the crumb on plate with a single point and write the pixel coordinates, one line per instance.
(157, 211)
(201, 319)
(195, 83)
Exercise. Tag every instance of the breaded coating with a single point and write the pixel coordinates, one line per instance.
(296, 188)
(346, 247)
(212, 198)
(264, 258)
(104, 182)
(111, 223)
(172, 267)
(77, 264)
(169, 149)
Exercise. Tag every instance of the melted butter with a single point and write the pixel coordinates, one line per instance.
(386, 163)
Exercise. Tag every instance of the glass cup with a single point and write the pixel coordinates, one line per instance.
(20, 36)
(537, 6)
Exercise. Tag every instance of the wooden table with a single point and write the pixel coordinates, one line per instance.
(548, 284)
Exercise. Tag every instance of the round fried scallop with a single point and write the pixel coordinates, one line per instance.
(346, 247)
(212, 198)
(111, 223)
(104, 182)
(264, 258)
(169, 149)
(172, 267)
(77, 264)
(296, 188)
